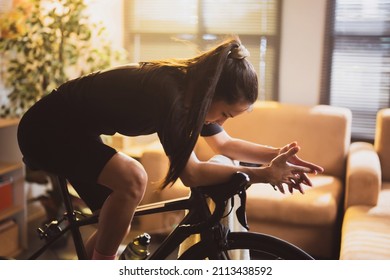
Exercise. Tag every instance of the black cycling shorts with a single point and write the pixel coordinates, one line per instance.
(49, 140)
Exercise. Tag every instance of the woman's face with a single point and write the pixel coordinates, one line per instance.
(220, 111)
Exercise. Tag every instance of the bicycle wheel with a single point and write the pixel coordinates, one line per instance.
(258, 246)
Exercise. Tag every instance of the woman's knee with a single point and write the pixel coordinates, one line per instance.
(132, 184)
(135, 182)
(125, 175)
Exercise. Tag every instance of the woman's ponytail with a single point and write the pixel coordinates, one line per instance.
(202, 75)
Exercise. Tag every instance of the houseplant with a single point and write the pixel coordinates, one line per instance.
(43, 43)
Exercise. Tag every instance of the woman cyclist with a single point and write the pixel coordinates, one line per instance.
(178, 99)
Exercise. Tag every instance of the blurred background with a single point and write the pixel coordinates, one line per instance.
(306, 52)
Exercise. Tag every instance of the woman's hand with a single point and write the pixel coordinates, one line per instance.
(302, 176)
(283, 170)
(297, 161)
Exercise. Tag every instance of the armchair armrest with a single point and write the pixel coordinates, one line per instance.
(363, 175)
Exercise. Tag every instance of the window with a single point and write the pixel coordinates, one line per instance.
(181, 28)
(359, 61)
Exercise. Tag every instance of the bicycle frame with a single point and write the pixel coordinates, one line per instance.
(173, 240)
(183, 230)
(199, 218)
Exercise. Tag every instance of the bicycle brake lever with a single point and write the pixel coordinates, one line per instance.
(241, 211)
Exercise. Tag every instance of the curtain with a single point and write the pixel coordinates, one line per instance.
(358, 61)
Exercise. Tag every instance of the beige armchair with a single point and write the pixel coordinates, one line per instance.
(311, 221)
(366, 224)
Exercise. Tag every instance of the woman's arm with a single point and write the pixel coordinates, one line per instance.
(241, 150)
(246, 151)
(278, 172)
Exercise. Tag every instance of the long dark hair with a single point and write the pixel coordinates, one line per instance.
(214, 74)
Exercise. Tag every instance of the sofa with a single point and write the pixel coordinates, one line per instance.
(366, 223)
(311, 221)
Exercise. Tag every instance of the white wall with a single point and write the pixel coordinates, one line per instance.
(110, 13)
(303, 26)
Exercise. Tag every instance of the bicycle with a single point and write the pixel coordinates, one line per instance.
(216, 242)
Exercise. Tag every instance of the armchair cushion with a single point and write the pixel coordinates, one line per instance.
(318, 206)
(365, 233)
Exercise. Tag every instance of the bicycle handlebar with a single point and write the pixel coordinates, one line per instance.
(220, 194)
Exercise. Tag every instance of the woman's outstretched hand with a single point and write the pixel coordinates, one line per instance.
(291, 170)
(297, 161)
